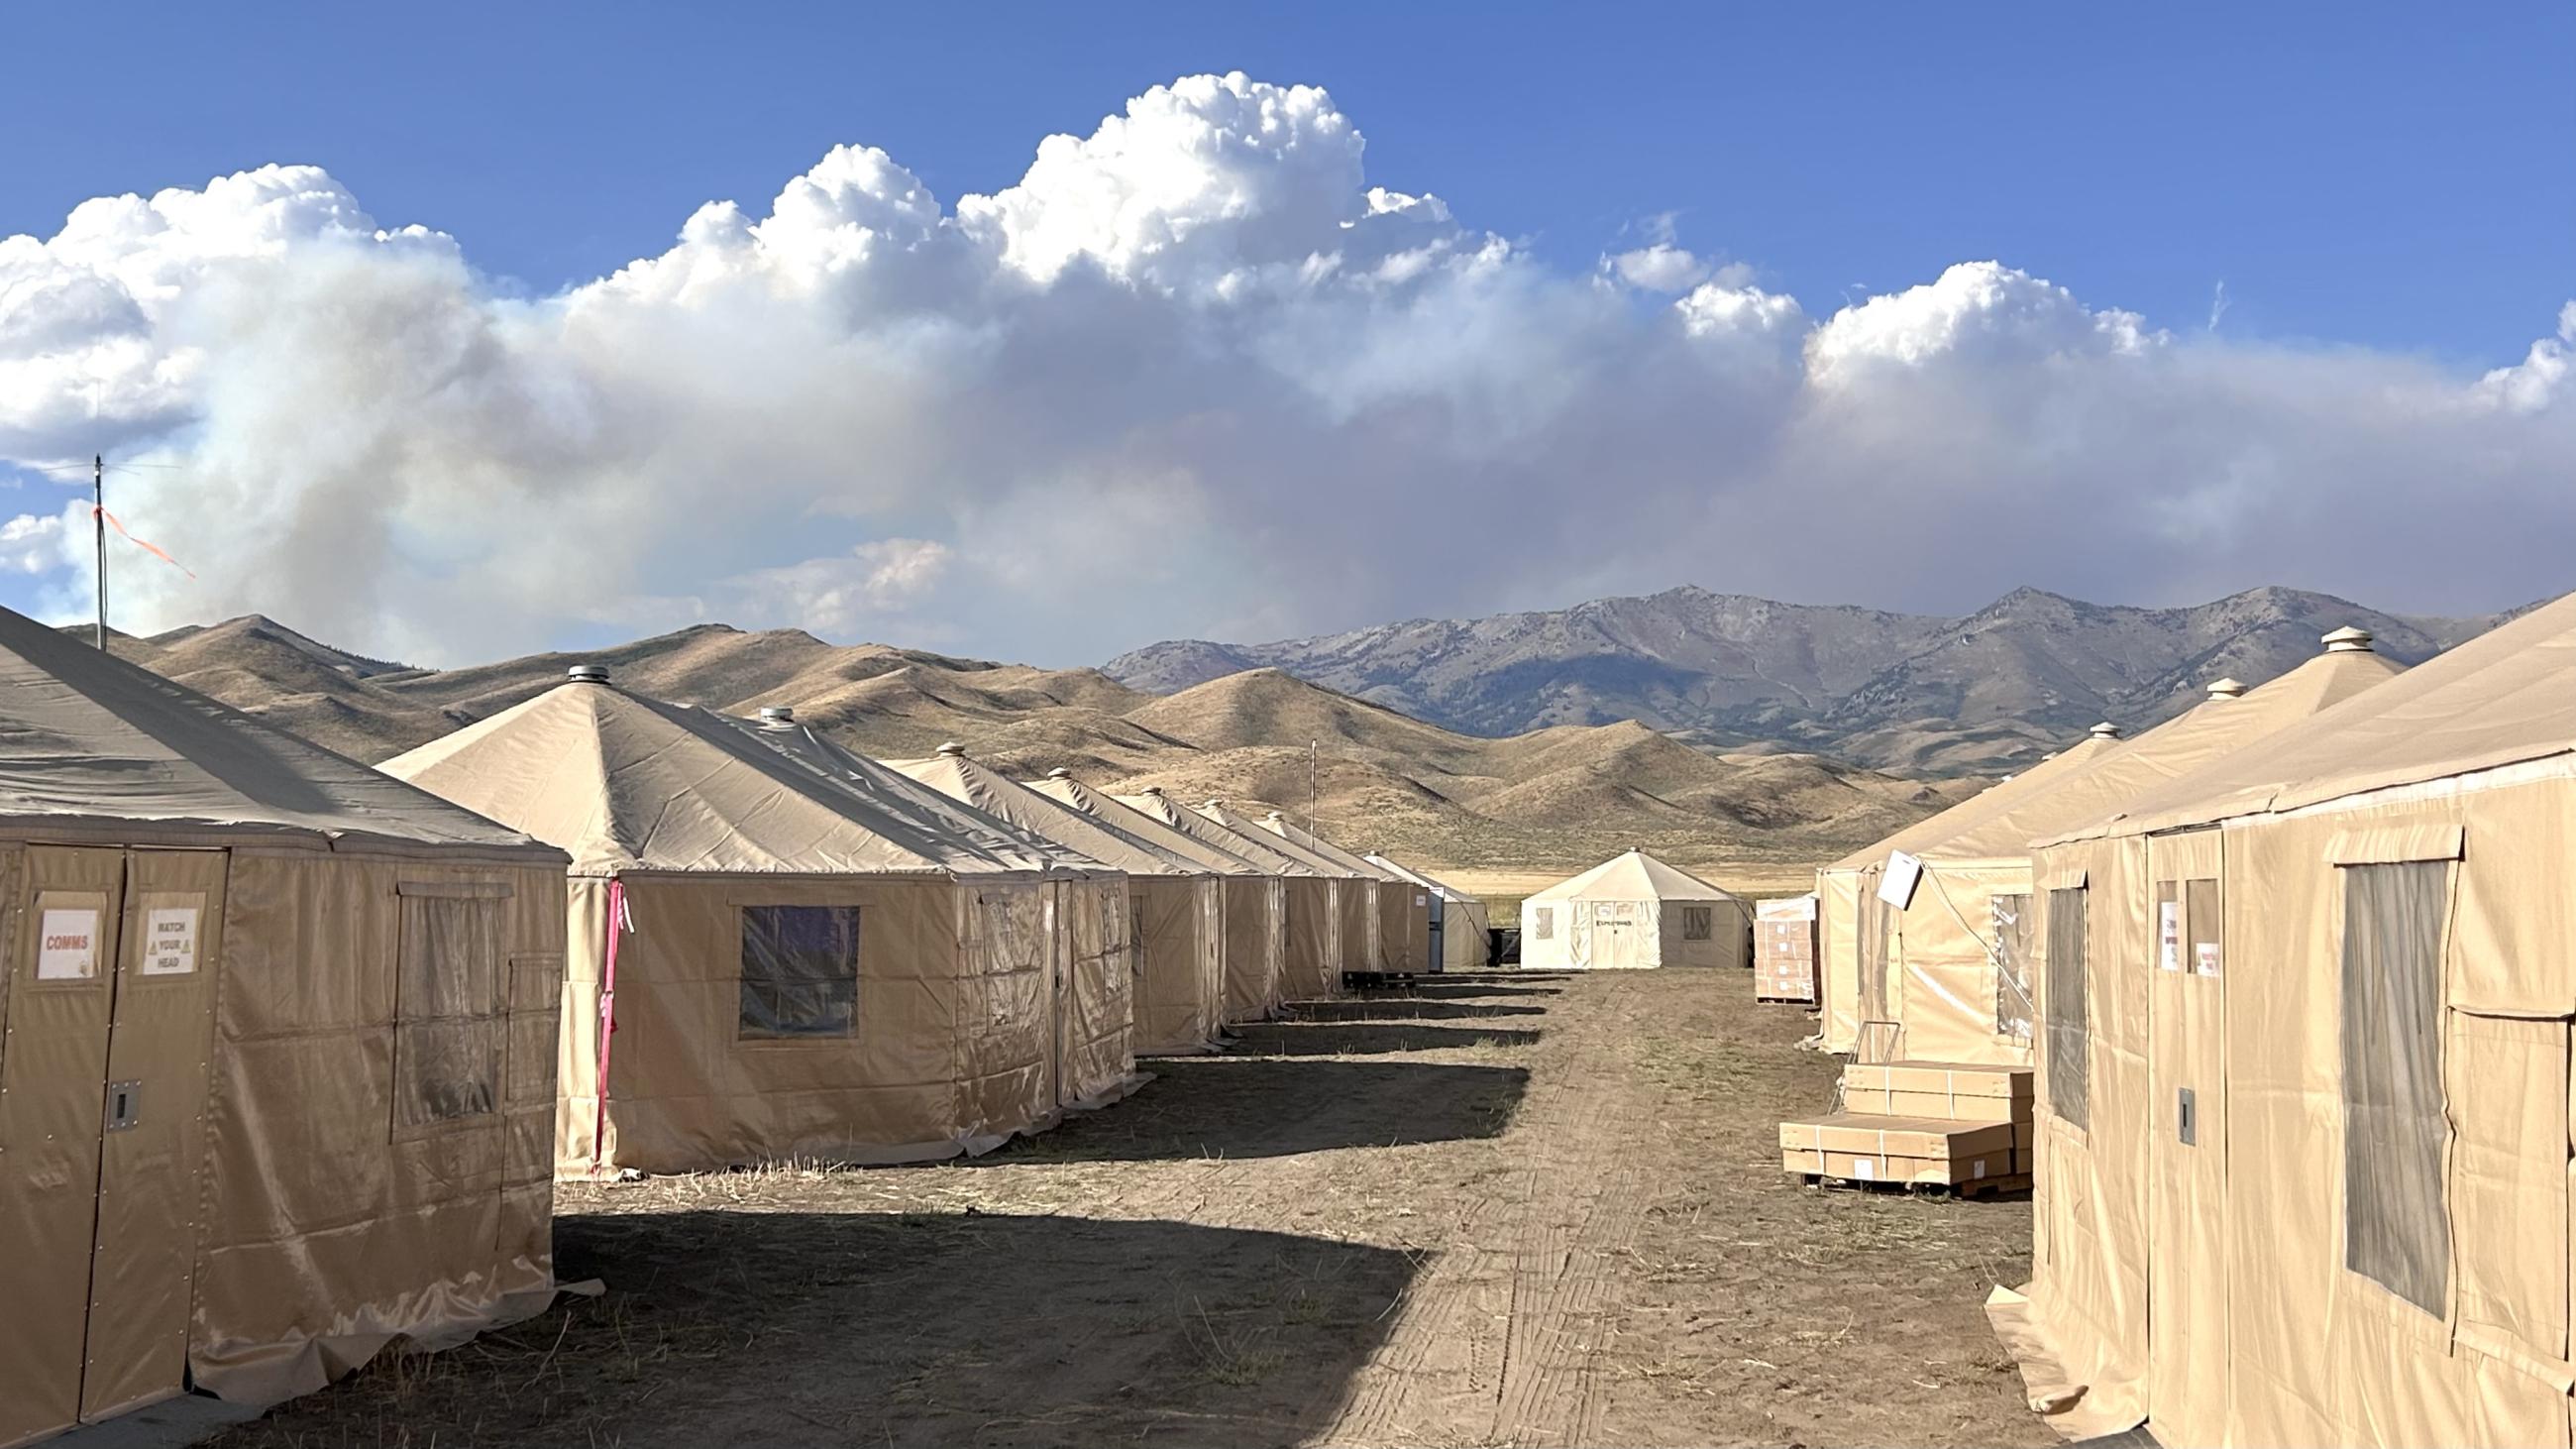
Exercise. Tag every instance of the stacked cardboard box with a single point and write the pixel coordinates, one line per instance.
(1954, 1126)
(1784, 950)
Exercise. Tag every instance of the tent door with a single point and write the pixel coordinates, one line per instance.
(153, 1129)
(102, 1093)
(1059, 993)
(2186, 1167)
(1439, 936)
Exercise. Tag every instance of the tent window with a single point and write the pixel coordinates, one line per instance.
(2070, 1067)
(2008, 918)
(2207, 921)
(1136, 932)
(2395, 1231)
(800, 971)
(1699, 923)
(449, 1016)
(1543, 918)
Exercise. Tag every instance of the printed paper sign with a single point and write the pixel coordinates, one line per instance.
(1864, 1168)
(1896, 882)
(169, 940)
(67, 946)
(2169, 935)
(2207, 952)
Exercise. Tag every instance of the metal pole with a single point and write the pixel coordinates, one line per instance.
(98, 523)
(1311, 747)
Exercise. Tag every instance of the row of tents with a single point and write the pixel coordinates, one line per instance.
(2295, 973)
(292, 1050)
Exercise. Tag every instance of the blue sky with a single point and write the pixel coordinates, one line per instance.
(1193, 376)
(2396, 175)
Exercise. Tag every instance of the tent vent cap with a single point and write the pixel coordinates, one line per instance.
(587, 674)
(952, 750)
(2104, 731)
(2347, 640)
(1059, 773)
(2226, 688)
(777, 714)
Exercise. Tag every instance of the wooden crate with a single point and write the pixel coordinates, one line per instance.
(1920, 1151)
(1940, 1090)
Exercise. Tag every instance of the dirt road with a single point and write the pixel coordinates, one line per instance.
(1532, 1211)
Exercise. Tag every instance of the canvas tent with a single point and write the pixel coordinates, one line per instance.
(2303, 1077)
(766, 961)
(1954, 981)
(1461, 939)
(1633, 910)
(1320, 929)
(1400, 932)
(1255, 899)
(276, 1053)
(1850, 921)
(1177, 938)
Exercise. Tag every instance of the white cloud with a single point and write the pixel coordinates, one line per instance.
(1193, 374)
(31, 544)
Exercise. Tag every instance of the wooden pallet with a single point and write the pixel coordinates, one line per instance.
(1982, 1187)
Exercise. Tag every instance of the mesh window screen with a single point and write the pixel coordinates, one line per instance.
(1699, 923)
(2395, 1231)
(2206, 921)
(2070, 1066)
(2009, 920)
(1136, 933)
(448, 1016)
(800, 971)
(1543, 919)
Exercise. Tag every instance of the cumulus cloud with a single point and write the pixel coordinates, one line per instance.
(1196, 372)
(30, 544)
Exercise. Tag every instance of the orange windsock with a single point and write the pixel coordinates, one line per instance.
(153, 549)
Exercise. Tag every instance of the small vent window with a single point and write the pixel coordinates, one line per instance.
(2070, 1066)
(800, 971)
(1699, 923)
(2008, 924)
(2395, 1230)
(449, 1016)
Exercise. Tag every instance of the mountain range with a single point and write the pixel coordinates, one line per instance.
(1922, 695)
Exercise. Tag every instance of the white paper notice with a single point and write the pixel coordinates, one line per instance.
(67, 946)
(2169, 935)
(2208, 954)
(1865, 1168)
(1896, 880)
(170, 940)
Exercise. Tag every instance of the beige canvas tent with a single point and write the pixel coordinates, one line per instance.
(1461, 939)
(276, 1054)
(1178, 934)
(1399, 938)
(1319, 927)
(1953, 982)
(1847, 913)
(2303, 1139)
(1255, 898)
(1633, 910)
(768, 960)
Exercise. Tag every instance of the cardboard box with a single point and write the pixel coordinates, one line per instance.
(1946, 1106)
(1921, 1150)
(1947, 1078)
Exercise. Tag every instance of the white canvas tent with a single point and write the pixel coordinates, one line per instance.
(1178, 936)
(1461, 938)
(276, 1051)
(768, 959)
(1634, 911)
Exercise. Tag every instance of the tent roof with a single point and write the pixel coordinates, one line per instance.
(2208, 730)
(955, 774)
(1993, 800)
(2503, 698)
(1437, 888)
(1276, 843)
(1262, 855)
(1127, 819)
(624, 782)
(1350, 862)
(1634, 876)
(89, 741)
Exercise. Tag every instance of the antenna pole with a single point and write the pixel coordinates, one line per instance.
(1311, 747)
(98, 523)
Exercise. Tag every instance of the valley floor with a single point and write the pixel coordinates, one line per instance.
(1529, 1210)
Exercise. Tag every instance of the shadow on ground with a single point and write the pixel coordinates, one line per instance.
(803, 1328)
(1366, 1038)
(1467, 990)
(1279, 1106)
(1402, 1008)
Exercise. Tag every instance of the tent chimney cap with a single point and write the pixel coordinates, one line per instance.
(2226, 688)
(587, 674)
(777, 714)
(2104, 731)
(1154, 790)
(952, 750)
(2347, 640)
(1059, 773)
